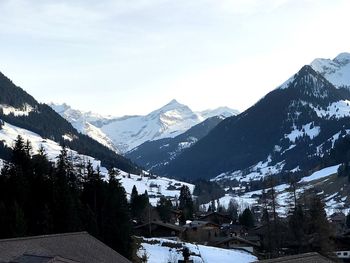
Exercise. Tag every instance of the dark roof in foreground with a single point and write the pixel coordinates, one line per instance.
(79, 247)
(26, 258)
(312, 257)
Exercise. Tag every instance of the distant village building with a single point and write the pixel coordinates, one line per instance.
(202, 231)
(236, 242)
(216, 217)
(159, 229)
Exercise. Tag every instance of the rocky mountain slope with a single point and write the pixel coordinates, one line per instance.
(288, 130)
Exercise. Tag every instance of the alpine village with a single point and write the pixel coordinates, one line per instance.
(270, 183)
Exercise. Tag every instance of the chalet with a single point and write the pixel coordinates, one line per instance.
(77, 247)
(202, 231)
(236, 242)
(312, 257)
(342, 246)
(338, 221)
(217, 218)
(159, 229)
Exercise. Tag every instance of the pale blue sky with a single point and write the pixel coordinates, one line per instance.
(132, 56)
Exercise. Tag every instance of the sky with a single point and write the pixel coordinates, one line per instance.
(123, 57)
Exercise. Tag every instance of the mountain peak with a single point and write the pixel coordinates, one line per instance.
(343, 58)
(173, 103)
(336, 71)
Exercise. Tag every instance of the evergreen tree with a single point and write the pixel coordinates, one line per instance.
(186, 204)
(246, 218)
(116, 228)
(164, 207)
(65, 210)
(318, 225)
(297, 227)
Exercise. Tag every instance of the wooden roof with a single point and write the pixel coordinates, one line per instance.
(312, 257)
(240, 239)
(78, 247)
(166, 225)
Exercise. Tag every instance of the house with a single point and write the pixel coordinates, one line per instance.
(217, 218)
(77, 247)
(342, 246)
(338, 221)
(236, 242)
(312, 257)
(202, 231)
(159, 229)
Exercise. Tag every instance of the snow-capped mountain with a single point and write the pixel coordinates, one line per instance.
(82, 122)
(154, 154)
(128, 132)
(336, 71)
(290, 129)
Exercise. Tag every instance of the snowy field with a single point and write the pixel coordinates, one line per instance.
(155, 186)
(165, 251)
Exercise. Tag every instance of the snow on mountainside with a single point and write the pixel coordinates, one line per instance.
(127, 132)
(221, 111)
(328, 185)
(288, 130)
(82, 122)
(9, 133)
(155, 185)
(336, 71)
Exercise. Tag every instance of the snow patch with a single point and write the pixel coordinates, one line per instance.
(305, 130)
(24, 111)
(321, 174)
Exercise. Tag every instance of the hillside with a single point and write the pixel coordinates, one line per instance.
(20, 109)
(290, 129)
(152, 155)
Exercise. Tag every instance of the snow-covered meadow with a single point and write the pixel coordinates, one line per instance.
(167, 251)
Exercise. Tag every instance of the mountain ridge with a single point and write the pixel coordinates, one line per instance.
(282, 132)
(20, 109)
(128, 132)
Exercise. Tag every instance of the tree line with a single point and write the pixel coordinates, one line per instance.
(41, 197)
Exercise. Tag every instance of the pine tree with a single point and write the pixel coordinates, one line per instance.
(319, 226)
(186, 204)
(247, 218)
(164, 207)
(116, 228)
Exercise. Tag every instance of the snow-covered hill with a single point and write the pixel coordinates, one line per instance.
(329, 186)
(156, 186)
(126, 133)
